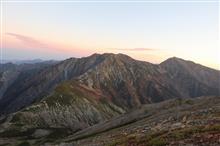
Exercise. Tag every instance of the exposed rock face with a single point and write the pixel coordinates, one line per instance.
(7, 76)
(121, 80)
(12, 76)
(70, 106)
(127, 82)
(40, 133)
(192, 79)
(14, 80)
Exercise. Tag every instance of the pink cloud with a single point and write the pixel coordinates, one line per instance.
(29, 41)
(23, 42)
(134, 49)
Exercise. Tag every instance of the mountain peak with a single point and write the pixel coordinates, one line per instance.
(177, 61)
(174, 58)
(111, 56)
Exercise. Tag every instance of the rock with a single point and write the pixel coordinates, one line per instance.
(184, 119)
(41, 133)
(177, 125)
(65, 144)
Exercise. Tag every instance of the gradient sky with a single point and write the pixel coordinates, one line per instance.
(145, 31)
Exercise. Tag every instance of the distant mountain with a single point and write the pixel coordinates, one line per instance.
(27, 61)
(10, 73)
(192, 79)
(115, 78)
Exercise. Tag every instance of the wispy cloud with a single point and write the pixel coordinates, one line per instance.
(134, 49)
(29, 41)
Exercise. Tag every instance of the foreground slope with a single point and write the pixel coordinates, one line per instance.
(195, 122)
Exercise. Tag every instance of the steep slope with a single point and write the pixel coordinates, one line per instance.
(192, 79)
(128, 82)
(10, 74)
(14, 77)
(70, 106)
(33, 88)
(69, 109)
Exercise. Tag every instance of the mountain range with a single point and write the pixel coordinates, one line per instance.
(78, 93)
(113, 77)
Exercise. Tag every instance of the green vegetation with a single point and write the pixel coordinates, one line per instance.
(186, 133)
(58, 133)
(16, 118)
(155, 139)
(177, 135)
(189, 101)
(62, 95)
(14, 132)
(157, 142)
(114, 143)
(213, 128)
(162, 138)
(10, 133)
(25, 143)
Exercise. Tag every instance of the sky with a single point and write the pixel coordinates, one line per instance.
(151, 31)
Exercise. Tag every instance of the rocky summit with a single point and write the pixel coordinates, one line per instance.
(109, 99)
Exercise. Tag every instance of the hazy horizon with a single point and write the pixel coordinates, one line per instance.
(151, 31)
(42, 60)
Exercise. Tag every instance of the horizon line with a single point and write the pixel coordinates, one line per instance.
(51, 59)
